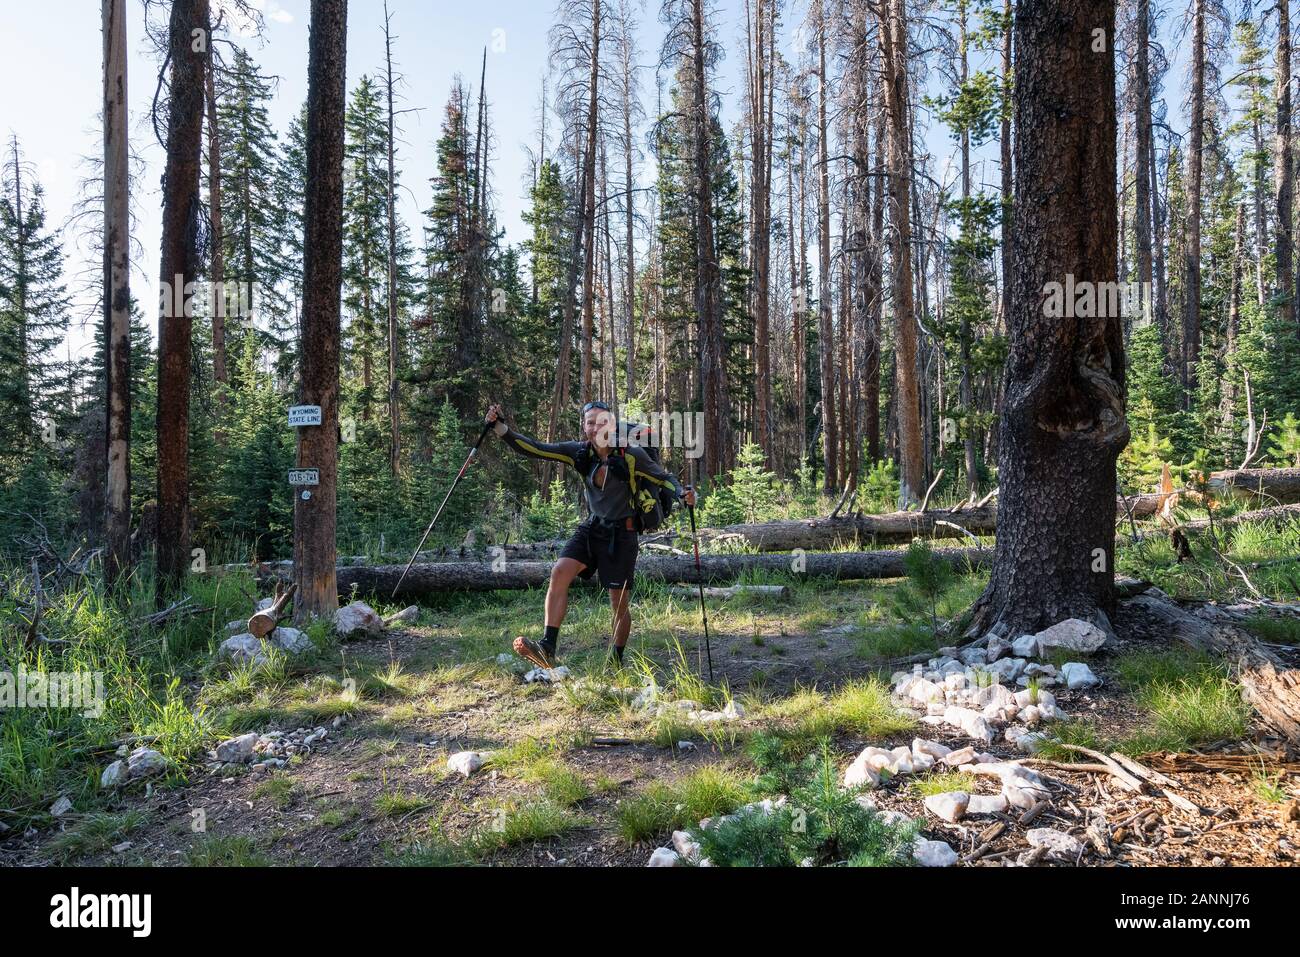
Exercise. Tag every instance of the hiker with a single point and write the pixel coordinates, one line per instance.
(606, 542)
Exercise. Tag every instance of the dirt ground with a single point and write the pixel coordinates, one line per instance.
(329, 809)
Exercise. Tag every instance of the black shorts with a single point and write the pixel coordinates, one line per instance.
(609, 551)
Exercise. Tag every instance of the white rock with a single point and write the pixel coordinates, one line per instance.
(950, 805)
(933, 853)
(113, 775)
(921, 762)
(547, 675)
(733, 710)
(663, 857)
(986, 804)
(925, 691)
(1031, 715)
(235, 627)
(1062, 846)
(894, 818)
(1019, 797)
(959, 757)
(933, 748)
(1031, 742)
(408, 614)
(1008, 669)
(264, 603)
(143, 762)
(1073, 634)
(242, 649)
(684, 846)
(292, 640)
(61, 807)
(1026, 646)
(860, 773)
(996, 649)
(1078, 675)
(467, 762)
(357, 620)
(902, 763)
(973, 656)
(1041, 670)
(237, 750)
(685, 745)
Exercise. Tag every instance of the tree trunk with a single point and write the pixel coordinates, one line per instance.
(1142, 105)
(178, 268)
(314, 517)
(713, 371)
(825, 332)
(907, 397)
(394, 409)
(1063, 424)
(1192, 223)
(117, 295)
(589, 207)
(1283, 170)
(216, 238)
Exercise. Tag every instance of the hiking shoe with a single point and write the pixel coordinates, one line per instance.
(535, 651)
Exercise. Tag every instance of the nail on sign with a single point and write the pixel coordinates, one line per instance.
(304, 415)
(304, 476)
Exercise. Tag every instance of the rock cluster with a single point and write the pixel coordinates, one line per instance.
(247, 649)
(269, 750)
(140, 763)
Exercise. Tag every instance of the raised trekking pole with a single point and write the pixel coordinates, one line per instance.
(468, 459)
(699, 580)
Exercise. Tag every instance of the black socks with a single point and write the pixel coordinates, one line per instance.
(618, 653)
(550, 637)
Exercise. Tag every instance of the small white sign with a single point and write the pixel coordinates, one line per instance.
(304, 476)
(304, 415)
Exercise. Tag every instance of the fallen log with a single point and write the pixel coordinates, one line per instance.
(1278, 514)
(432, 577)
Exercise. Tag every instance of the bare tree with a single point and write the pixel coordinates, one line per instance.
(117, 294)
(188, 39)
(314, 517)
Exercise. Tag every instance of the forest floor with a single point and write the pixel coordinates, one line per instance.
(810, 670)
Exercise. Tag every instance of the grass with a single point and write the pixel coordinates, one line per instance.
(664, 806)
(1279, 631)
(399, 803)
(518, 823)
(279, 789)
(924, 785)
(1186, 700)
(98, 833)
(861, 708)
(225, 851)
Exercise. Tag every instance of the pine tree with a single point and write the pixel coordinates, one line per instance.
(33, 314)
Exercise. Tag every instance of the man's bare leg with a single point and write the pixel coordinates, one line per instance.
(542, 653)
(620, 602)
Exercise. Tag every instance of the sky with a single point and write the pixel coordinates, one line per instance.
(50, 90)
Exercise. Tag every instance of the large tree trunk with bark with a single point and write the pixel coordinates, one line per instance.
(188, 41)
(314, 517)
(1063, 423)
(117, 296)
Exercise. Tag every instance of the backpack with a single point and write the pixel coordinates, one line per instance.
(651, 505)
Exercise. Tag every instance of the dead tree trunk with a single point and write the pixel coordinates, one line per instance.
(188, 40)
(314, 517)
(1063, 424)
(117, 295)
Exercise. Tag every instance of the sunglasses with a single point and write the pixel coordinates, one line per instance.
(604, 407)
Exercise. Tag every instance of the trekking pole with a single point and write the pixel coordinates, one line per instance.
(468, 459)
(699, 580)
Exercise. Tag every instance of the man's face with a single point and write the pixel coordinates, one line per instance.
(599, 427)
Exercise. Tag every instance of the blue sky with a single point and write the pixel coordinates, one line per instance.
(50, 62)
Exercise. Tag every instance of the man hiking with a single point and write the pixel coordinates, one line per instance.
(606, 542)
